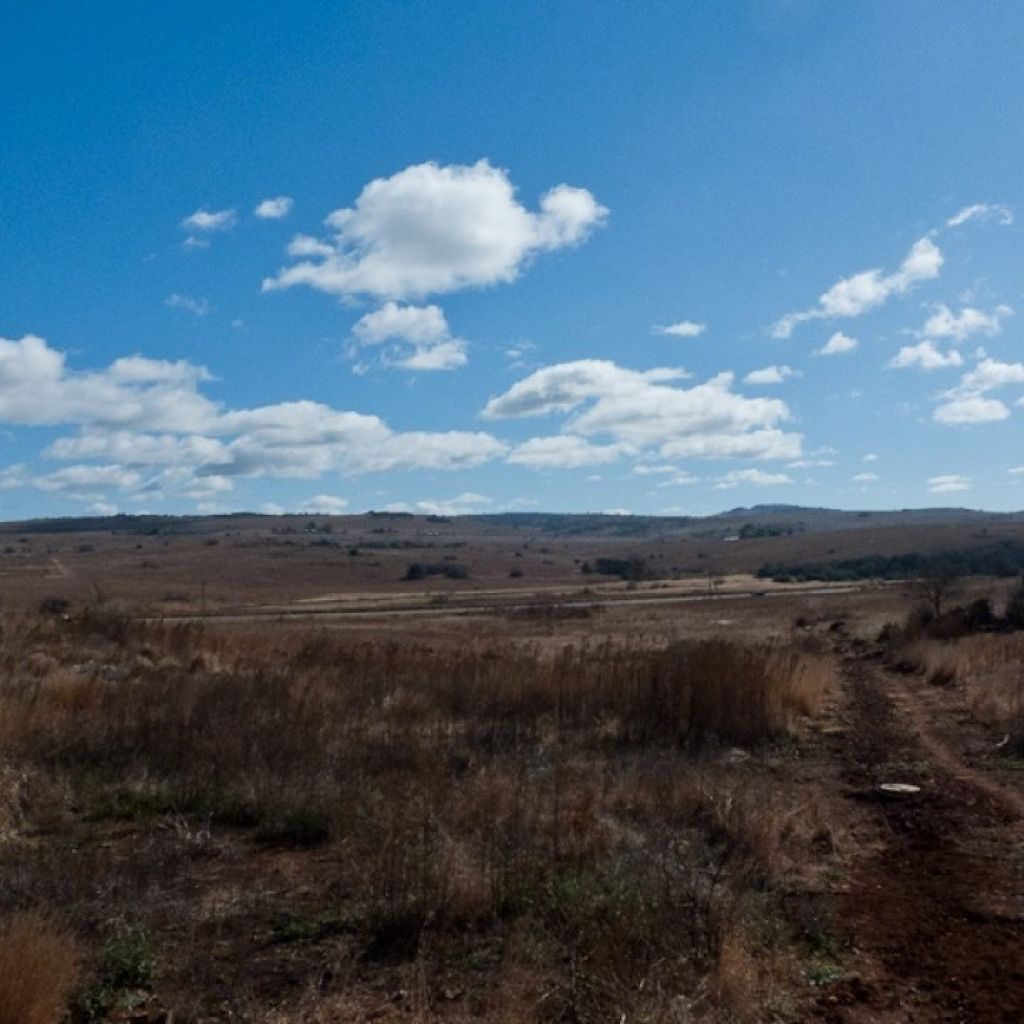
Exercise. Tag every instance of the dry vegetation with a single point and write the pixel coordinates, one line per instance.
(527, 805)
(39, 962)
(290, 825)
(991, 671)
(978, 646)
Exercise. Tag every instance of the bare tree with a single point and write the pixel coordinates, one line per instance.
(937, 586)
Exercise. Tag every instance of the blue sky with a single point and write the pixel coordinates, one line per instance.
(475, 257)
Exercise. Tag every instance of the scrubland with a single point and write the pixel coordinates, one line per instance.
(553, 816)
(976, 647)
(285, 824)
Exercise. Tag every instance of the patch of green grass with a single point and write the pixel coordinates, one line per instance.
(125, 973)
(312, 929)
(821, 972)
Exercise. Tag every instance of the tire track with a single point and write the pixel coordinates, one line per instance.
(934, 917)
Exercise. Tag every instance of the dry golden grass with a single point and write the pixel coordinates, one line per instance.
(39, 966)
(571, 813)
(991, 669)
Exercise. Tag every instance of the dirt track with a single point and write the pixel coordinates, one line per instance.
(933, 909)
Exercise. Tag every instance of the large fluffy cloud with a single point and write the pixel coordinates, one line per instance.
(37, 388)
(853, 296)
(430, 229)
(146, 428)
(649, 410)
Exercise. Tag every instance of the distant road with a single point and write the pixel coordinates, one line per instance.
(449, 610)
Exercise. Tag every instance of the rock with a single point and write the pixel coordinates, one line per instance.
(736, 755)
(897, 790)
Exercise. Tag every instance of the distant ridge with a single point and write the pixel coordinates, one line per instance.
(799, 518)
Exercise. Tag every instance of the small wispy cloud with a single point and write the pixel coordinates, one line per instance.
(683, 329)
(274, 209)
(207, 220)
(853, 296)
(770, 375)
(981, 211)
(200, 307)
(757, 477)
(325, 505)
(947, 483)
(924, 356)
(837, 345)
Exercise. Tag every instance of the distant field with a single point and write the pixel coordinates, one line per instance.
(169, 565)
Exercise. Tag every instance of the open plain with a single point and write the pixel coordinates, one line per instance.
(304, 769)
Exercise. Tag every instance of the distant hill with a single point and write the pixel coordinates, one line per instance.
(786, 518)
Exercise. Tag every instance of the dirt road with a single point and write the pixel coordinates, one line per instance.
(932, 913)
(371, 606)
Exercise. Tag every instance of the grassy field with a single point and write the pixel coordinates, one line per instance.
(553, 810)
(297, 823)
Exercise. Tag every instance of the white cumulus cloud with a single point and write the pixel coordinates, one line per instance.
(755, 477)
(969, 401)
(947, 483)
(944, 323)
(924, 356)
(420, 337)
(325, 505)
(274, 209)
(837, 345)
(432, 229)
(968, 409)
(465, 504)
(206, 220)
(683, 329)
(856, 295)
(649, 410)
(770, 375)
(144, 426)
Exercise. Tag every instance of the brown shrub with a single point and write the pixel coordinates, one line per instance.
(39, 966)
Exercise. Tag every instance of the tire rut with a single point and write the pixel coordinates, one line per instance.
(934, 910)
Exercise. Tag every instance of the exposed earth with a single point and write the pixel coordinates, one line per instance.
(932, 911)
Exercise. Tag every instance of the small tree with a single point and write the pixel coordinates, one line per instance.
(937, 586)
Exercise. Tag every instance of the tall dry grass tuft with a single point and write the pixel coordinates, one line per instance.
(39, 967)
(991, 669)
